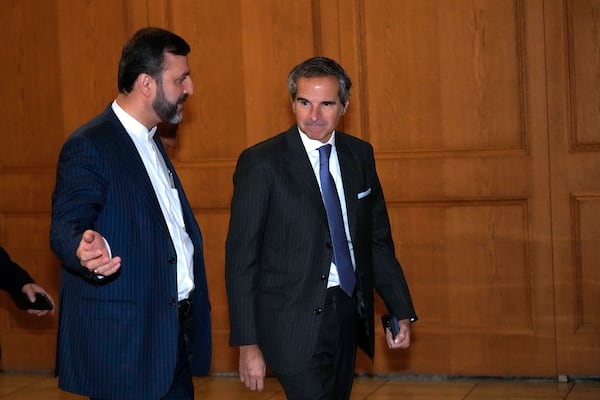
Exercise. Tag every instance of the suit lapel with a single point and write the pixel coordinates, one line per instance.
(134, 164)
(298, 161)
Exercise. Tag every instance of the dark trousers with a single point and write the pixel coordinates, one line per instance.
(182, 387)
(330, 372)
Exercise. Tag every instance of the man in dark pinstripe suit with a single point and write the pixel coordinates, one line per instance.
(287, 310)
(134, 309)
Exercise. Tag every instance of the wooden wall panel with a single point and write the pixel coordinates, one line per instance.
(31, 115)
(339, 34)
(28, 342)
(572, 38)
(276, 36)
(584, 64)
(214, 223)
(459, 254)
(239, 65)
(448, 67)
(26, 188)
(469, 265)
(32, 82)
(455, 108)
(214, 122)
(586, 232)
(90, 37)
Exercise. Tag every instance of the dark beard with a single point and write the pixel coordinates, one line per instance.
(167, 112)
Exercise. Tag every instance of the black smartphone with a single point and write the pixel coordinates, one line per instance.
(41, 302)
(391, 323)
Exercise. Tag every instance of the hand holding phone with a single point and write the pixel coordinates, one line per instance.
(390, 322)
(41, 302)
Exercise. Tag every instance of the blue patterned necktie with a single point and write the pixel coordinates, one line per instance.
(341, 252)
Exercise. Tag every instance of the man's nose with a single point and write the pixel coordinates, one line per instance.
(188, 86)
(315, 113)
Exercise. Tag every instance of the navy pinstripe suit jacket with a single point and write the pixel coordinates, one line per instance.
(118, 339)
(278, 249)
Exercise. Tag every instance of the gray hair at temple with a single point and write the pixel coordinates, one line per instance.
(319, 67)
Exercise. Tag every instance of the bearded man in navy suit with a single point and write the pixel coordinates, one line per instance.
(292, 306)
(134, 308)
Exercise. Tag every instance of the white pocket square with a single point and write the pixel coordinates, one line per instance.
(364, 194)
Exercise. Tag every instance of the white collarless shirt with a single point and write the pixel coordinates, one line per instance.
(167, 195)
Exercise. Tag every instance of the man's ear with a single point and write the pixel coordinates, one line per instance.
(144, 83)
(345, 107)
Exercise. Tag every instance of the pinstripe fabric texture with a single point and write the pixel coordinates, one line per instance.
(118, 339)
(278, 249)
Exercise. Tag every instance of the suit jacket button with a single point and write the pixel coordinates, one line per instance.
(323, 278)
(318, 310)
(172, 301)
(172, 260)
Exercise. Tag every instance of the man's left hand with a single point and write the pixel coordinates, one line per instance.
(402, 340)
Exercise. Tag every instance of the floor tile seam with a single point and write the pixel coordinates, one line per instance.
(374, 392)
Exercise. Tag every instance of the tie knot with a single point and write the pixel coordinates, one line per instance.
(325, 151)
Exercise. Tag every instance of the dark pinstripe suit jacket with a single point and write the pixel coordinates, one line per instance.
(278, 250)
(118, 339)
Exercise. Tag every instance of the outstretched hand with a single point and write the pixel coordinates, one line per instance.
(94, 255)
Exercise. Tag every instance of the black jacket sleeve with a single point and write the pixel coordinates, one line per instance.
(12, 276)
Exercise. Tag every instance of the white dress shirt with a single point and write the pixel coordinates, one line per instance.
(312, 151)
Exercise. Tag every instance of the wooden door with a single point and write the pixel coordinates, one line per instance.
(573, 52)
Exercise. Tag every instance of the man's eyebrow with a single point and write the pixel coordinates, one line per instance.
(184, 74)
(322, 102)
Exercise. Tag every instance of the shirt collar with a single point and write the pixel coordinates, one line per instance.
(132, 125)
(312, 144)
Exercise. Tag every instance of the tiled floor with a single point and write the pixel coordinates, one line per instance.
(42, 387)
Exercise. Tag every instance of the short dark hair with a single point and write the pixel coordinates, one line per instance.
(145, 53)
(318, 67)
